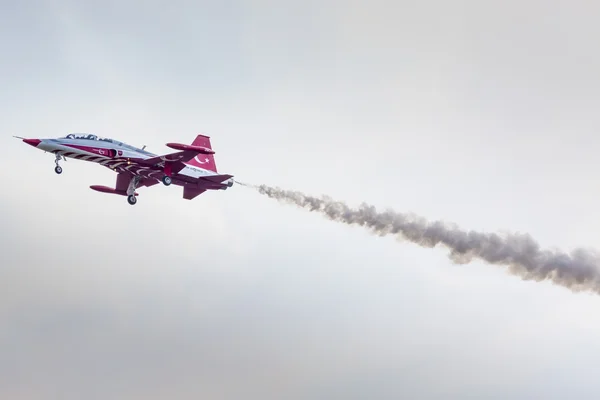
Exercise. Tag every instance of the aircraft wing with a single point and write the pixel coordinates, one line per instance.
(179, 156)
(123, 179)
(186, 152)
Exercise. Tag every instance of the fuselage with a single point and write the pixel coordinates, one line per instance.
(118, 156)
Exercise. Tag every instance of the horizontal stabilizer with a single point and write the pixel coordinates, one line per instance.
(191, 193)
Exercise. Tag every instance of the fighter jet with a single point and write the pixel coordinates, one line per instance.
(192, 166)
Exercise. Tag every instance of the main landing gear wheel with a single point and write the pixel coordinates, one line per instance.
(166, 180)
(58, 169)
(133, 184)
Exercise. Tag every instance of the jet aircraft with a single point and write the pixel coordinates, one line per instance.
(192, 166)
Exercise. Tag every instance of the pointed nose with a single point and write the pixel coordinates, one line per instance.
(32, 142)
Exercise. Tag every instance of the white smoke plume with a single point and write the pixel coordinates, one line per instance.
(577, 271)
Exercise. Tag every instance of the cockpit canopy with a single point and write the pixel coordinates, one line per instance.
(90, 136)
(87, 136)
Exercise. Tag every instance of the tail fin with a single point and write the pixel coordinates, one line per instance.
(206, 161)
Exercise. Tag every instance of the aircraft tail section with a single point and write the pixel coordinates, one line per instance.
(205, 161)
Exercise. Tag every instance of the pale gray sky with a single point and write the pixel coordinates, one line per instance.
(482, 113)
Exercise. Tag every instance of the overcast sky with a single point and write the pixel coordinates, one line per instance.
(482, 113)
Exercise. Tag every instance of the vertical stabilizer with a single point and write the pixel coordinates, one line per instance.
(206, 161)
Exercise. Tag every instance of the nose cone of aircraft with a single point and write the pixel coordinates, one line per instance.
(32, 142)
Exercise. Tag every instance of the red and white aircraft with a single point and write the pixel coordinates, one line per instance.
(192, 166)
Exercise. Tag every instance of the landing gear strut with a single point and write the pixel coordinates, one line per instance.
(131, 198)
(57, 169)
(166, 180)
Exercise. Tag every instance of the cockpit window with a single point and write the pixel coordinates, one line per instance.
(89, 136)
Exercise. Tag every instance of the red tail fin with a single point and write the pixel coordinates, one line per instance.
(206, 161)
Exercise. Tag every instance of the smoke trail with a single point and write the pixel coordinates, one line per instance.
(577, 271)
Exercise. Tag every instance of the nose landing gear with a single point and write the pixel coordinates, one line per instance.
(57, 169)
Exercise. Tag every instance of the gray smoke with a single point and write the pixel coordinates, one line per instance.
(577, 271)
